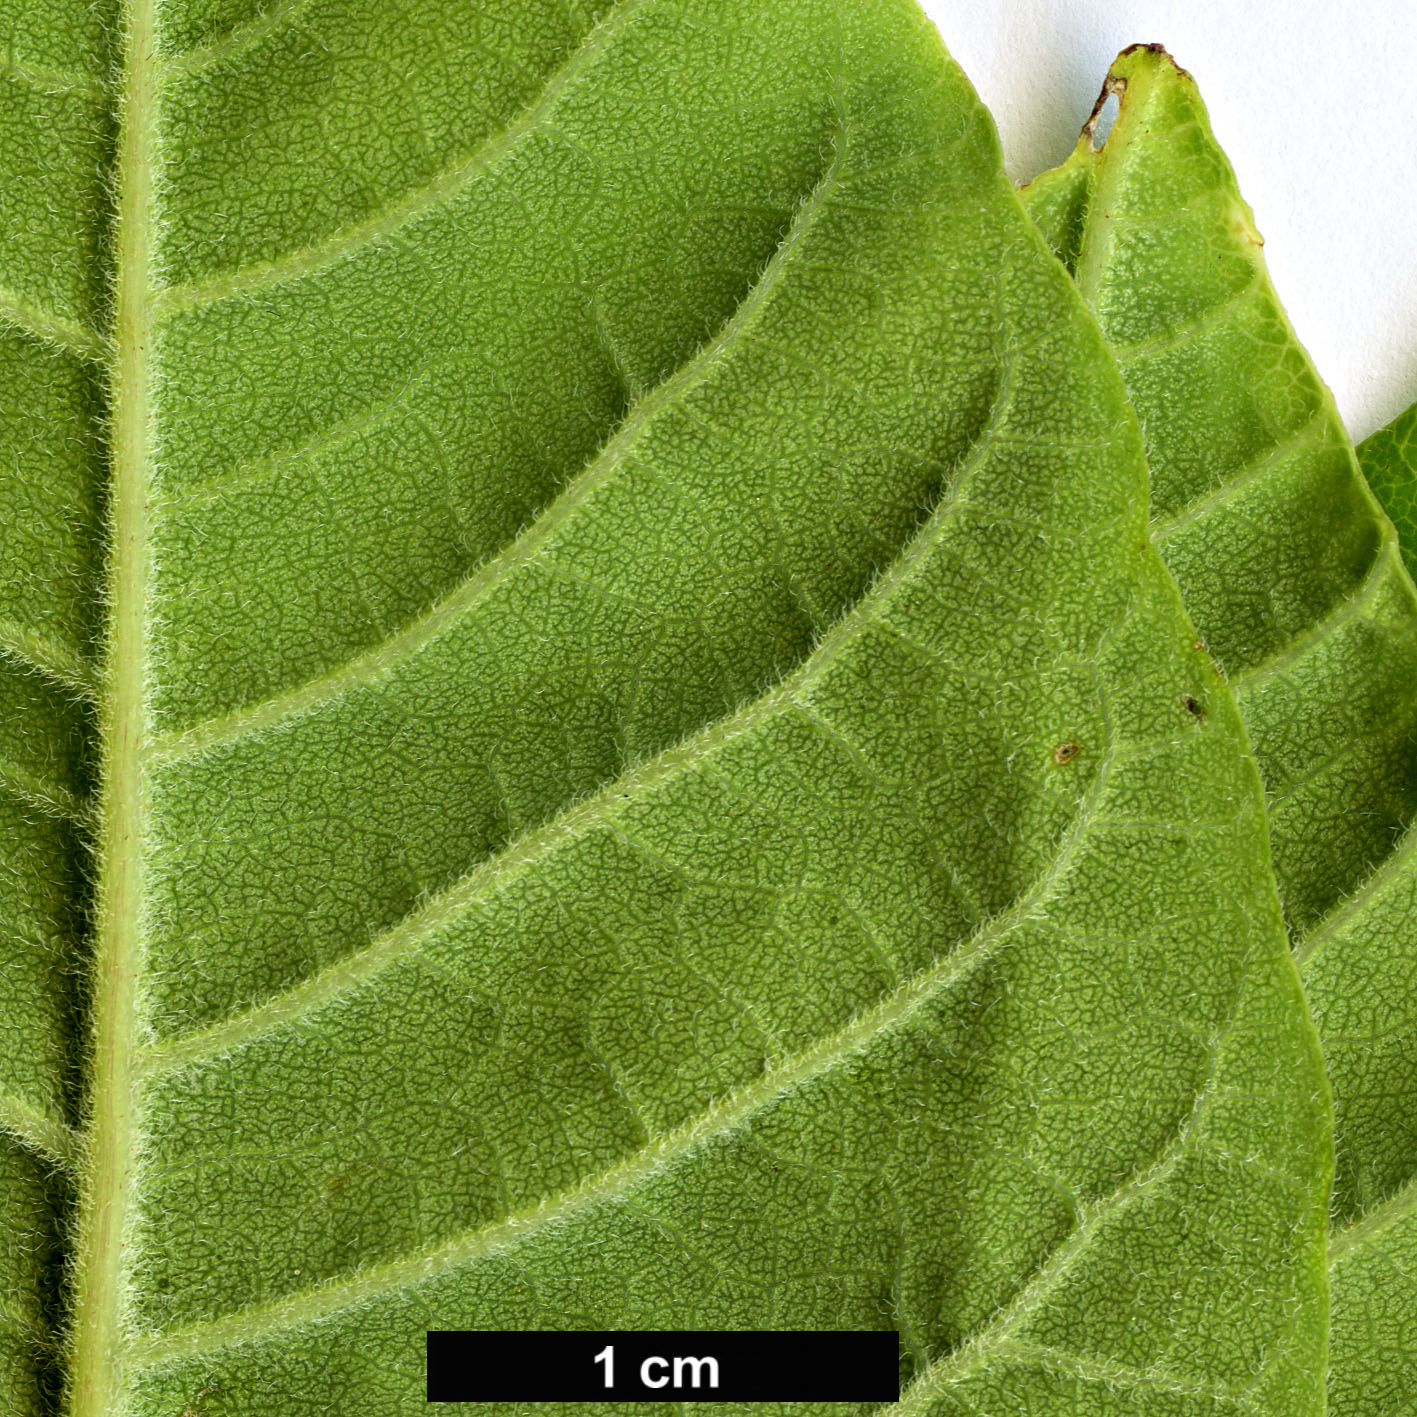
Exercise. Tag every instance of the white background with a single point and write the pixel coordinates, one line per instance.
(1314, 101)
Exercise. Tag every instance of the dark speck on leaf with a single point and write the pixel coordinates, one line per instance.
(1194, 707)
(1065, 753)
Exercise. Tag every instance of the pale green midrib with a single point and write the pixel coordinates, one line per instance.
(1103, 178)
(1403, 1202)
(1169, 214)
(309, 259)
(33, 790)
(971, 1356)
(602, 806)
(1323, 931)
(721, 1119)
(97, 1278)
(240, 37)
(1344, 1242)
(1387, 561)
(41, 1131)
(460, 601)
(1101, 188)
(51, 81)
(1386, 554)
(1239, 478)
(51, 329)
(65, 666)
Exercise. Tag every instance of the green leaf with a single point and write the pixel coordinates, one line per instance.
(1359, 978)
(649, 774)
(1292, 573)
(1389, 461)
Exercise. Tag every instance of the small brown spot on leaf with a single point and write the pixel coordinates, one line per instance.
(194, 1408)
(1065, 753)
(1194, 707)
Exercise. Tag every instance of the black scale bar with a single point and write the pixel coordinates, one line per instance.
(694, 1366)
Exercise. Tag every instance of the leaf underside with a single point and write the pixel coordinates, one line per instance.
(1389, 462)
(1294, 576)
(644, 771)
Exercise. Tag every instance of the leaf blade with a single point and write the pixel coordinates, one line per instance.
(905, 863)
(846, 218)
(1348, 678)
(52, 151)
(1388, 462)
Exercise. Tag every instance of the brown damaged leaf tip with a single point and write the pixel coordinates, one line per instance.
(1158, 49)
(1116, 85)
(1110, 86)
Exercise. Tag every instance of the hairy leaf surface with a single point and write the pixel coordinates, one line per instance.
(1389, 461)
(649, 773)
(1266, 522)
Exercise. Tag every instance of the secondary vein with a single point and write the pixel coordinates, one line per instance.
(408, 208)
(483, 880)
(1000, 1335)
(407, 641)
(237, 40)
(59, 662)
(725, 1116)
(50, 327)
(1358, 1235)
(41, 1131)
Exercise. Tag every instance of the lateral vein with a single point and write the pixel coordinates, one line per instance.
(51, 328)
(407, 209)
(51, 798)
(1092, 1368)
(417, 633)
(997, 1338)
(724, 1117)
(1189, 330)
(1386, 563)
(50, 81)
(1323, 932)
(1238, 479)
(20, 645)
(1364, 1231)
(404, 938)
(235, 41)
(41, 1131)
